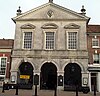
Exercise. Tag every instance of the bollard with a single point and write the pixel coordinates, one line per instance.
(16, 90)
(3, 88)
(76, 90)
(35, 90)
(55, 91)
(94, 90)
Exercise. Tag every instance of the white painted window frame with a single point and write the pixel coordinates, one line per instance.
(97, 41)
(5, 67)
(23, 33)
(68, 38)
(49, 30)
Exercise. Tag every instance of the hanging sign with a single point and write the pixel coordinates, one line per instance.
(24, 76)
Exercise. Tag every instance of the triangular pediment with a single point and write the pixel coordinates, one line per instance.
(50, 11)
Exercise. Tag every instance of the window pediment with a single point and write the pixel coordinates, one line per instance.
(27, 26)
(50, 26)
(72, 26)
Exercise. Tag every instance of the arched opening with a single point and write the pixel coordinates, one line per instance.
(25, 75)
(48, 76)
(72, 77)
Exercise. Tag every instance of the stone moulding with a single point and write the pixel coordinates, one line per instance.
(27, 26)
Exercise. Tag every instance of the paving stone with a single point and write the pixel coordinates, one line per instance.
(21, 92)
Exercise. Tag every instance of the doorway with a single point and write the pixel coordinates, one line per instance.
(48, 76)
(72, 77)
(93, 81)
(25, 75)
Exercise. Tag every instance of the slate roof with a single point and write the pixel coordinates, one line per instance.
(6, 43)
(93, 28)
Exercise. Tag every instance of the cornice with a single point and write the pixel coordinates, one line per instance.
(49, 19)
(50, 57)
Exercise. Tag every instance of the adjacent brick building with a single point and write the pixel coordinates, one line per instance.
(93, 43)
(6, 46)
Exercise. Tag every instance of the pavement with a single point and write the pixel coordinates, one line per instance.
(24, 92)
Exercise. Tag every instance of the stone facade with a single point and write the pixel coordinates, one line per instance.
(50, 17)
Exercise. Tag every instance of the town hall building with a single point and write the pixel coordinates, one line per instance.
(50, 42)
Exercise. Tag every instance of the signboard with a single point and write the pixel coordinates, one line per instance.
(60, 80)
(24, 76)
(36, 79)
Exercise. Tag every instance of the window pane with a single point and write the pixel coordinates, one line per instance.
(95, 42)
(96, 58)
(49, 40)
(1, 78)
(3, 66)
(72, 40)
(27, 40)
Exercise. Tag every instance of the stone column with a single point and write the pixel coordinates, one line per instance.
(85, 79)
(36, 72)
(98, 82)
(36, 82)
(90, 81)
(60, 80)
(14, 77)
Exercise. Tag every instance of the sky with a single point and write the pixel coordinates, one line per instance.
(8, 10)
